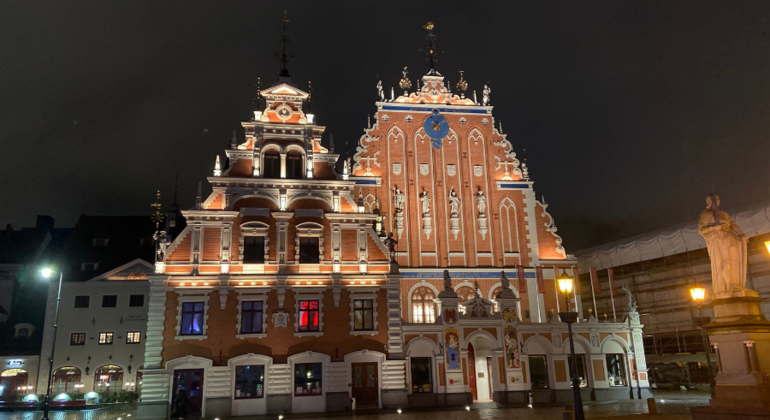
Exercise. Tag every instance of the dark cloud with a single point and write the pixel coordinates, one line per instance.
(629, 111)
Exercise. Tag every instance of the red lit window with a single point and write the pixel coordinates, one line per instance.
(308, 315)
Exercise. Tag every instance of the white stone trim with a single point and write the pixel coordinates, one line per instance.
(252, 298)
(363, 296)
(307, 295)
(186, 299)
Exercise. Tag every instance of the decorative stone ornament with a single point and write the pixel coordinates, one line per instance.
(281, 319)
(396, 169)
(454, 209)
(283, 112)
(424, 169)
(451, 170)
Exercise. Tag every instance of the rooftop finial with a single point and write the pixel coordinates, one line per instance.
(462, 85)
(157, 214)
(199, 196)
(309, 100)
(284, 57)
(258, 98)
(432, 52)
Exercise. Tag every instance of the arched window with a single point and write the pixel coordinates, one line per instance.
(294, 165)
(423, 306)
(108, 379)
(13, 382)
(272, 165)
(66, 380)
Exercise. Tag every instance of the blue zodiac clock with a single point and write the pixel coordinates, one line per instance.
(436, 127)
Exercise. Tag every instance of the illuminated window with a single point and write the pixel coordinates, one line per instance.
(192, 318)
(616, 370)
(251, 317)
(423, 306)
(308, 315)
(421, 375)
(105, 338)
(133, 337)
(363, 315)
(307, 379)
(78, 339)
(249, 382)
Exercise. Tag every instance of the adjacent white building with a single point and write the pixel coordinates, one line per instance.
(100, 342)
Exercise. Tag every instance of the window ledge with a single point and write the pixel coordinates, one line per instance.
(364, 332)
(260, 335)
(191, 337)
(309, 334)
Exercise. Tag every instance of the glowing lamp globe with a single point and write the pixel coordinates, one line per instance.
(698, 294)
(565, 282)
(46, 272)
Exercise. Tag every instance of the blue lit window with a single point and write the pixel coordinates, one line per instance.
(192, 318)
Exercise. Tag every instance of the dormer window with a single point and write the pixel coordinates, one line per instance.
(294, 165)
(272, 165)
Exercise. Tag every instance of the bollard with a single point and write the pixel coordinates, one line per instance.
(651, 407)
(569, 407)
(568, 415)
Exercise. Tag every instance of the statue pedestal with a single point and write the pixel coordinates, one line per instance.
(740, 335)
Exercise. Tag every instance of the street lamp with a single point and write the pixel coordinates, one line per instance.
(47, 272)
(565, 286)
(698, 294)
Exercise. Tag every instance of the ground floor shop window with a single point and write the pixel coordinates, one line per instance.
(421, 375)
(66, 380)
(616, 370)
(538, 369)
(581, 369)
(13, 384)
(249, 381)
(108, 379)
(307, 379)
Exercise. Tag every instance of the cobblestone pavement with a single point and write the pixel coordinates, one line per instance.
(669, 402)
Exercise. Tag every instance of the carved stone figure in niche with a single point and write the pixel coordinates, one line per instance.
(727, 246)
(425, 200)
(346, 166)
(481, 202)
(399, 199)
(454, 202)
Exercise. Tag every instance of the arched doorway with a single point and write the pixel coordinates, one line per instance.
(13, 382)
(480, 367)
(108, 378)
(66, 380)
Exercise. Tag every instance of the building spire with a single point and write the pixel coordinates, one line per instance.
(284, 57)
(199, 196)
(431, 53)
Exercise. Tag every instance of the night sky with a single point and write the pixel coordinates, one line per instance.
(628, 111)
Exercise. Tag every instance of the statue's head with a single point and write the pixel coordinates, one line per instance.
(710, 202)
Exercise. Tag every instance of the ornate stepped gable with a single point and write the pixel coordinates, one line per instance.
(281, 185)
(473, 169)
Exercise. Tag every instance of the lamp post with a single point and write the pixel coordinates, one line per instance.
(565, 286)
(698, 294)
(47, 272)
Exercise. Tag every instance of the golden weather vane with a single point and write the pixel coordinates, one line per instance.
(157, 214)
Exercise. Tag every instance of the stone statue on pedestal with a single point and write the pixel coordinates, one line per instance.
(727, 247)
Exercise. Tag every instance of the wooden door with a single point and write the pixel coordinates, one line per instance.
(366, 389)
(187, 401)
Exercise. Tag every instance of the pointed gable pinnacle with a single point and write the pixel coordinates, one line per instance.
(217, 167)
(199, 196)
